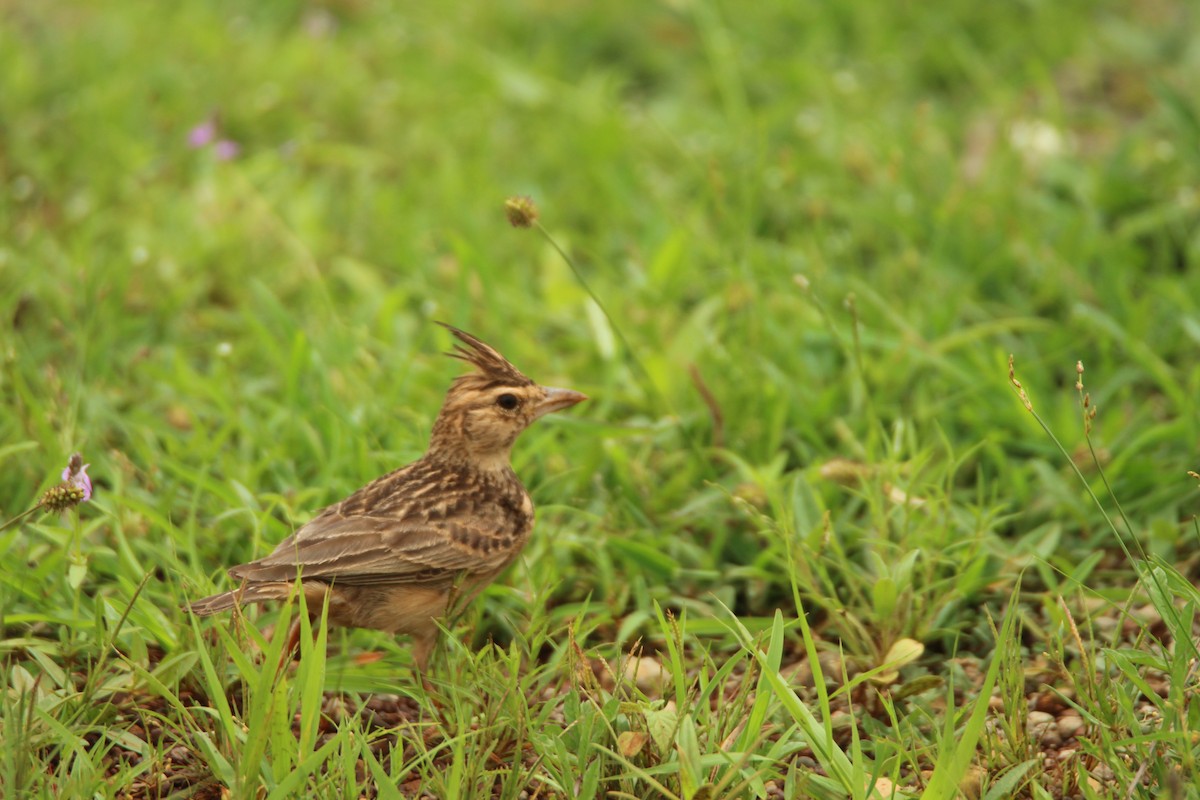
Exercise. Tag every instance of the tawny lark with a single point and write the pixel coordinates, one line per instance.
(397, 552)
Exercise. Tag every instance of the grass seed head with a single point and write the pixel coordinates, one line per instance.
(1012, 378)
(1089, 410)
(61, 497)
(521, 211)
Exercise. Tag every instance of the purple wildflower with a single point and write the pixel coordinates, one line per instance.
(226, 149)
(76, 487)
(75, 475)
(202, 135)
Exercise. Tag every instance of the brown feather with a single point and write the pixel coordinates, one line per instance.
(493, 368)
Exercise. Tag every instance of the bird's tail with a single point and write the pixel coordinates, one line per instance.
(241, 596)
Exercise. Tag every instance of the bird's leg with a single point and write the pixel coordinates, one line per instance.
(422, 648)
(289, 647)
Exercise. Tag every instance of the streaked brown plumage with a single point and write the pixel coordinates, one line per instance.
(397, 552)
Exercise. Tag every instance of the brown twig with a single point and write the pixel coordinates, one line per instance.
(714, 408)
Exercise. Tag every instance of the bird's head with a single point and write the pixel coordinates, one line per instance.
(487, 409)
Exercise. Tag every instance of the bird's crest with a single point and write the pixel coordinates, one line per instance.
(492, 367)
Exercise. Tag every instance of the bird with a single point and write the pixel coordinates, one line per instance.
(425, 539)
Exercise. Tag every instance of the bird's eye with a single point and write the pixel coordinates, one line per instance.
(508, 401)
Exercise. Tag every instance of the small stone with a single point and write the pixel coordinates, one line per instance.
(1040, 726)
(1050, 738)
(1069, 725)
(884, 788)
(832, 667)
(1048, 702)
(841, 720)
(972, 785)
(1147, 615)
(647, 673)
(799, 674)
(1037, 718)
(831, 671)
(179, 417)
(334, 706)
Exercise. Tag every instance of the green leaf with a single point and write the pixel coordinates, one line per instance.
(1006, 785)
(76, 572)
(686, 742)
(662, 723)
(384, 782)
(883, 597)
(647, 557)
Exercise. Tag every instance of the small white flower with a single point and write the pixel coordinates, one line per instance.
(808, 121)
(1036, 140)
(845, 81)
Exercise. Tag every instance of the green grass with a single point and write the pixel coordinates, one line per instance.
(803, 492)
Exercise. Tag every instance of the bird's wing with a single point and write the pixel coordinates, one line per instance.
(366, 549)
(419, 524)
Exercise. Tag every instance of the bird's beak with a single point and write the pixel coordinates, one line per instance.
(557, 400)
